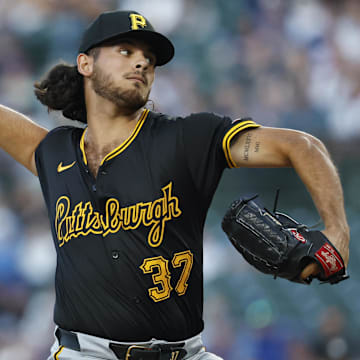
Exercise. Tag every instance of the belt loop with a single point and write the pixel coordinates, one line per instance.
(67, 339)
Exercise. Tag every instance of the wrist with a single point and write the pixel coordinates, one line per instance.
(338, 231)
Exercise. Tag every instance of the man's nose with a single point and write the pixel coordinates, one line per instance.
(141, 62)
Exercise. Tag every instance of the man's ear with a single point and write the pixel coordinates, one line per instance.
(85, 64)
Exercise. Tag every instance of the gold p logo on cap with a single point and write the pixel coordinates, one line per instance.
(137, 21)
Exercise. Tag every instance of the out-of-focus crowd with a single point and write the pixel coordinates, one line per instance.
(286, 63)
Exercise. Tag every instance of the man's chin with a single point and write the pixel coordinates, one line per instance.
(132, 100)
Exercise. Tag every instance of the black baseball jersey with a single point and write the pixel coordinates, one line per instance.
(129, 243)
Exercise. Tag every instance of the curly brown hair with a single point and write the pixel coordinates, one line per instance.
(62, 89)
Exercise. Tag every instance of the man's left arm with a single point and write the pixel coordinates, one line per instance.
(273, 147)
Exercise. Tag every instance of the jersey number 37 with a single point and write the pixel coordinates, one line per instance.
(159, 267)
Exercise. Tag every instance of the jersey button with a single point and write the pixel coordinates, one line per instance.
(115, 254)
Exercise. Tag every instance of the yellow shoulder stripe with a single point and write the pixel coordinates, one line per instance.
(230, 134)
(120, 148)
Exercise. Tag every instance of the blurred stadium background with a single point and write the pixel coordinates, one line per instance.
(286, 63)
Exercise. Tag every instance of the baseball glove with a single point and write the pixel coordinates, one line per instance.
(278, 245)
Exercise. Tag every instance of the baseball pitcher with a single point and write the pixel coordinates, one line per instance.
(127, 195)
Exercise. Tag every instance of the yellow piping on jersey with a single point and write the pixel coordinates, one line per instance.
(120, 148)
(230, 134)
(56, 355)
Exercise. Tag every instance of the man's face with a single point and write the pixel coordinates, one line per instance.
(123, 73)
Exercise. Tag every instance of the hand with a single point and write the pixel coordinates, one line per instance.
(312, 270)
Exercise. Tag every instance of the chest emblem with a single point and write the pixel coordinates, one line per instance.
(62, 167)
(82, 219)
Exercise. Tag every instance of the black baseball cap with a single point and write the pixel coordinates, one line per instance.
(127, 24)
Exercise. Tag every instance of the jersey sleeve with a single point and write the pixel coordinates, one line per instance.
(237, 126)
(207, 138)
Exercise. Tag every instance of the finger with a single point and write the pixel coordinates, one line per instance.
(312, 269)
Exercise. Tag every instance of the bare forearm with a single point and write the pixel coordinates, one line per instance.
(19, 136)
(314, 166)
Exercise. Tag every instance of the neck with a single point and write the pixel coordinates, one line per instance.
(104, 130)
(104, 135)
(107, 121)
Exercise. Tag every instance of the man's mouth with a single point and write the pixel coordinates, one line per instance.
(137, 78)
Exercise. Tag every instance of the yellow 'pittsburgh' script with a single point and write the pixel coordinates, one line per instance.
(83, 220)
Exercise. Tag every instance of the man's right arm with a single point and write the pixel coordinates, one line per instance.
(19, 137)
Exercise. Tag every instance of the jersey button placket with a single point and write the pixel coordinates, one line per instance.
(99, 189)
(101, 172)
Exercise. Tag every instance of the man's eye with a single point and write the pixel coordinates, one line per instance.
(150, 60)
(124, 52)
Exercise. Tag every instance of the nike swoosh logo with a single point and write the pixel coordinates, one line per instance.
(62, 168)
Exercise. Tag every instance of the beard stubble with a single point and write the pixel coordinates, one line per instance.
(129, 99)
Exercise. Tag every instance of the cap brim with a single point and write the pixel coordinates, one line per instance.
(159, 44)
